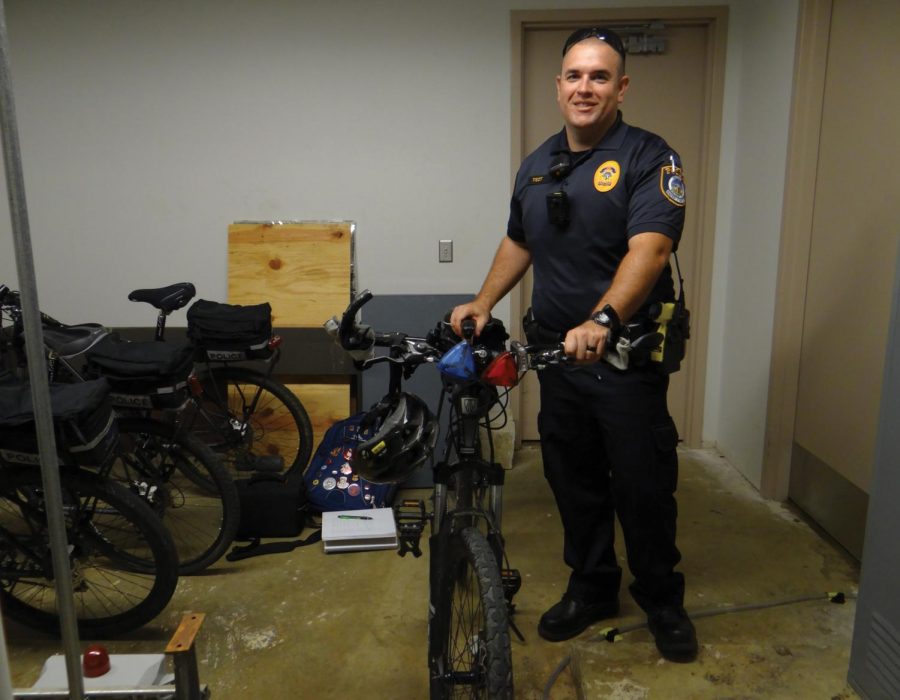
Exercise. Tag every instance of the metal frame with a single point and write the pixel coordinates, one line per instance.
(180, 649)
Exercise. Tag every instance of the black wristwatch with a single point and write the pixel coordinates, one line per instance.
(608, 317)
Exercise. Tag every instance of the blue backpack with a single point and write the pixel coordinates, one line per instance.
(331, 483)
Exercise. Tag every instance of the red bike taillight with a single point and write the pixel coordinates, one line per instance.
(503, 371)
(274, 342)
(195, 385)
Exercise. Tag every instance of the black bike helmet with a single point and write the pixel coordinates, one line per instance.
(405, 433)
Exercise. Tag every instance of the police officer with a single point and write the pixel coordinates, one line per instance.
(597, 210)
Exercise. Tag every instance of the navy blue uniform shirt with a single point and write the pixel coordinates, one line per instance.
(630, 183)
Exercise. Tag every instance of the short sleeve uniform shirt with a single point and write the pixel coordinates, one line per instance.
(630, 183)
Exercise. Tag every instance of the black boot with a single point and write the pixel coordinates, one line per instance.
(571, 616)
(674, 632)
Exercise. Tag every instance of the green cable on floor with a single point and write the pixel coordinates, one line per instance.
(614, 634)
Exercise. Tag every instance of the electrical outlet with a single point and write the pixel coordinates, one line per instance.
(445, 251)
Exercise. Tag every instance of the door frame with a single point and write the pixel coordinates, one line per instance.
(807, 104)
(715, 19)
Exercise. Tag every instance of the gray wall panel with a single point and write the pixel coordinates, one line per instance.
(875, 654)
(414, 314)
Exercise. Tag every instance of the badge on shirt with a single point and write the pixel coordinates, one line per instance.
(606, 176)
(671, 182)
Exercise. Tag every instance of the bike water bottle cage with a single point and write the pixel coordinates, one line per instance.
(405, 435)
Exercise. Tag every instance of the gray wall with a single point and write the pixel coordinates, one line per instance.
(414, 315)
(875, 655)
(147, 127)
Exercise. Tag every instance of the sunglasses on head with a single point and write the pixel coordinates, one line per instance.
(605, 35)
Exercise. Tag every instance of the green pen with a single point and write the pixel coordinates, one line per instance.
(354, 517)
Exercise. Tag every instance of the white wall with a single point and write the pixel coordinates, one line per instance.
(751, 186)
(148, 127)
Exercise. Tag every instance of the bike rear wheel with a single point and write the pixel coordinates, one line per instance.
(253, 421)
(469, 645)
(184, 483)
(123, 562)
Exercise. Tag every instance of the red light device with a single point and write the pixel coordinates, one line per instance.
(95, 661)
(503, 371)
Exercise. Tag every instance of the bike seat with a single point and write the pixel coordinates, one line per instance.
(171, 298)
(73, 340)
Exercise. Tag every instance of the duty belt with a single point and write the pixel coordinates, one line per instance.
(633, 346)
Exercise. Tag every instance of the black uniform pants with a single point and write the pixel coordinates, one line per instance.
(608, 445)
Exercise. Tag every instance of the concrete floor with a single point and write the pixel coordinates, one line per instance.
(353, 626)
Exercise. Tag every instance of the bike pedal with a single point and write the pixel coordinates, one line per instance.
(410, 517)
(512, 582)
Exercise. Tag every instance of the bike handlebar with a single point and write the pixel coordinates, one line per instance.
(468, 329)
(537, 355)
(352, 336)
(408, 351)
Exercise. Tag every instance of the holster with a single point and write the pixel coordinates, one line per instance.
(674, 325)
(536, 334)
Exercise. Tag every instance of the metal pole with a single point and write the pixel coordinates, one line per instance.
(187, 679)
(6, 689)
(40, 389)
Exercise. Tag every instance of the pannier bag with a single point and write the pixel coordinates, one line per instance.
(331, 483)
(83, 419)
(230, 331)
(272, 505)
(143, 374)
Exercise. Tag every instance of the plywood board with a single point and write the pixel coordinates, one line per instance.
(325, 404)
(302, 269)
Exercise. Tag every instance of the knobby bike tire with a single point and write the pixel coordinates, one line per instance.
(276, 430)
(469, 644)
(185, 484)
(123, 562)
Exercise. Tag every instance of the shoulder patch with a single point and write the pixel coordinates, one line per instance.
(607, 176)
(671, 183)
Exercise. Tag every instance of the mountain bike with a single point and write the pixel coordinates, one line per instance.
(171, 470)
(471, 585)
(123, 562)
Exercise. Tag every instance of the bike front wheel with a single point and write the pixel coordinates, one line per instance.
(123, 562)
(252, 421)
(469, 645)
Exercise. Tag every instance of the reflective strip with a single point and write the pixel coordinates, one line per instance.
(96, 441)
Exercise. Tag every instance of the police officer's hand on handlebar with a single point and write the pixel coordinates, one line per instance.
(477, 311)
(586, 343)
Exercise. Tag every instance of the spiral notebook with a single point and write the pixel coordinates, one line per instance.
(359, 530)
